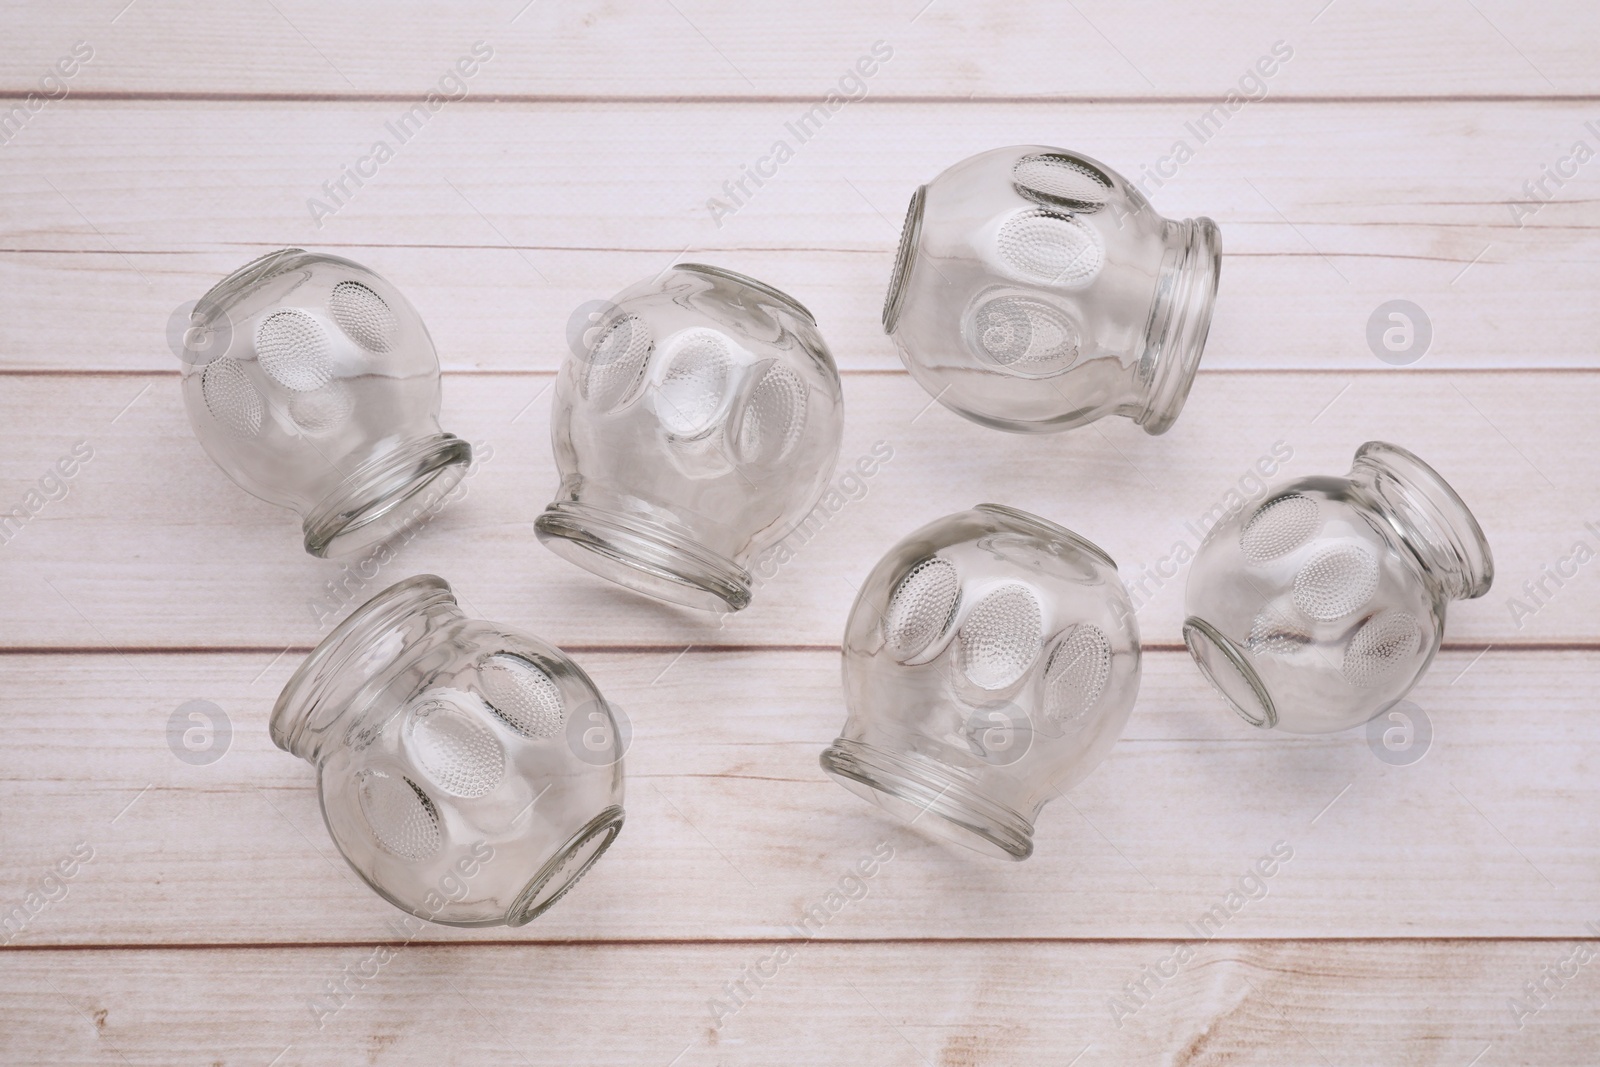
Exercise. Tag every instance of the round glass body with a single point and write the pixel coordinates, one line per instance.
(698, 426)
(313, 383)
(1036, 290)
(1322, 606)
(470, 774)
(990, 662)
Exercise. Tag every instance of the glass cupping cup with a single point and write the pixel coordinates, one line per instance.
(697, 427)
(1036, 290)
(990, 661)
(1322, 606)
(469, 773)
(312, 382)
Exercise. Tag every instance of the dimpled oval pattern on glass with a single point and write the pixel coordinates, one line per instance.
(922, 608)
(1063, 181)
(1338, 581)
(363, 316)
(230, 398)
(1278, 527)
(522, 695)
(402, 817)
(1000, 636)
(615, 363)
(1051, 247)
(1026, 335)
(458, 752)
(1384, 643)
(1323, 605)
(1076, 674)
(293, 348)
(1275, 633)
(323, 410)
(695, 385)
(773, 416)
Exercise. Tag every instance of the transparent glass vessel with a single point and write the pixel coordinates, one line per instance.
(1323, 605)
(990, 662)
(698, 427)
(314, 385)
(1036, 290)
(469, 773)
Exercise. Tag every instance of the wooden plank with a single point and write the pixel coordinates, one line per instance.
(153, 547)
(499, 221)
(718, 48)
(1387, 161)
(1297, 1004)
(734, 831)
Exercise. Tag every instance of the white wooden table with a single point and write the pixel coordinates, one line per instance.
(207, 907)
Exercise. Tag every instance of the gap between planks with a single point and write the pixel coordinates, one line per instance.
(660, 649)
(489, 99)
(721, 942)
(862, 372)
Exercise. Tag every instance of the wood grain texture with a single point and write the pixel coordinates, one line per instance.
(1386, 160)
(734, 831)
(153, 547)
(1295, 1004)
(1093, 48)
(499, 221)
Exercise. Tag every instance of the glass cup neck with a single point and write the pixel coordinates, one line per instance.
(1180, 320)
(362, 652)
(1428, 516)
